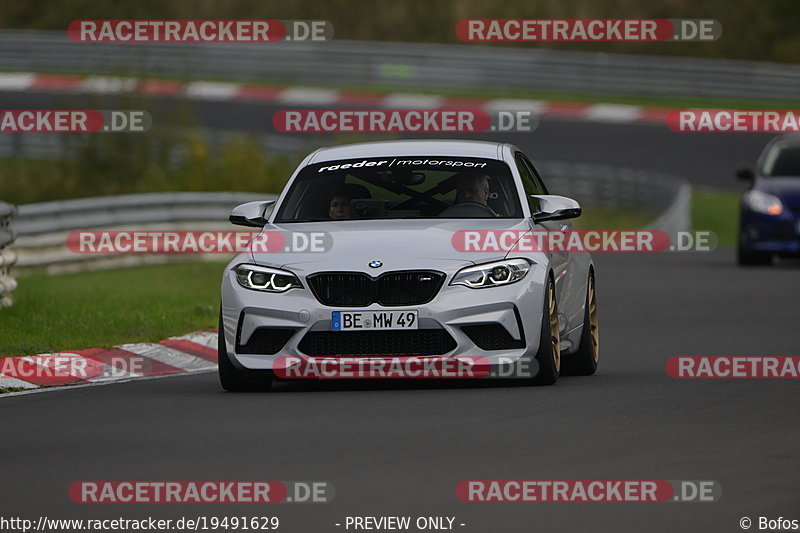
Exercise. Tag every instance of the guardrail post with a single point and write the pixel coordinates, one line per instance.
(7, 256)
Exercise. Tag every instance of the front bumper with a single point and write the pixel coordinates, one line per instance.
(770, 234)
(516, 307)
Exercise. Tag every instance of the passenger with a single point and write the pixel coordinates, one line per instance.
(341, 198)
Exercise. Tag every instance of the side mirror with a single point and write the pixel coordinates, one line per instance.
(745, 173)
(555, 208)
(251, 214)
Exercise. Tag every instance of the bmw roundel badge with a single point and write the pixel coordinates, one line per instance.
(375, 264)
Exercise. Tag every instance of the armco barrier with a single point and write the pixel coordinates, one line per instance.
(105, 211)
(417, 65)
(8, 257)
(43, 227)
(665, 196)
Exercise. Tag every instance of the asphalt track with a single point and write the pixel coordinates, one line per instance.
(400, 449)
(702, 158)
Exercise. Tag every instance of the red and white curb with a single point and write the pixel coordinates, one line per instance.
(312, 96)
(192, 353)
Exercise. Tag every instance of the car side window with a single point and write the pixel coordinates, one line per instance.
(538, 179)
(529, 182)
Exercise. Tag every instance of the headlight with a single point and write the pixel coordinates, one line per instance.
(492, 274)
(266, 279)
(762, 202)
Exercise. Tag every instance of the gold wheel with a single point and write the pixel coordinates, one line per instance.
(555, 336)
(594, 325)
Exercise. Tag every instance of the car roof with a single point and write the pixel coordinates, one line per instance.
(422, 147)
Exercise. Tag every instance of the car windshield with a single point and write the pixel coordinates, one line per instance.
(783, 161)
(401, 187)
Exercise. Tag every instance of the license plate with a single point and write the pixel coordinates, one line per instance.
(373, 320)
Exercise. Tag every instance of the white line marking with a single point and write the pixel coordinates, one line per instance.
(99, 373)
(16, 81)
(113, 373)
(99, 384)
(107, 85)
(205, 338)
(613, 113)
(515, 104)
(64, 364)
(169, 356)
(412, 101)
(7, 382)
(209, 90)
(308, 95)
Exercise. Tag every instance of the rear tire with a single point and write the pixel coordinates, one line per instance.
(549, 354)
(584, 361)
(235, 379)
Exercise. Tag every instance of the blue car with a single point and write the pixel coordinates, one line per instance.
(769, 221)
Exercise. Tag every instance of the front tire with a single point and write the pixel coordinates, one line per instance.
(549, 354)
(745, 258)
(584, 361)
(235, 379)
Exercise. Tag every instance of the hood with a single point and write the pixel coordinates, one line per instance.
(398, 244)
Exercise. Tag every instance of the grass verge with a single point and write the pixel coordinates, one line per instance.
(105, 308)
(717, 211)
